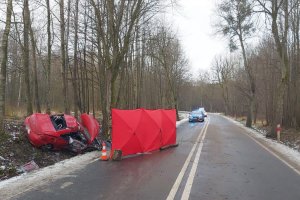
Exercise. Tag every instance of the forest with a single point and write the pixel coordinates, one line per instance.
(88, 56)
(75, 56)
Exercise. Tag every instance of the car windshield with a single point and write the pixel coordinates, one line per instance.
(196, 113)
(58, 122)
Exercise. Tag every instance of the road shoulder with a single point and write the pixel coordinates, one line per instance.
(288, 156)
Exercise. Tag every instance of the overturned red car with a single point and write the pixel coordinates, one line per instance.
(61, 131)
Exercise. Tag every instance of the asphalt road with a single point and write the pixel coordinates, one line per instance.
(224, 164)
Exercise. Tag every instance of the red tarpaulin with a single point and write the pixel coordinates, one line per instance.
(141, 130)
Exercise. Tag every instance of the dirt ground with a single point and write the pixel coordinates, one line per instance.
(289, 137)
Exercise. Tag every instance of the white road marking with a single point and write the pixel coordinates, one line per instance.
(189, 182)
(265, 146)
(273, 153)
(66, 184)
(179, 178)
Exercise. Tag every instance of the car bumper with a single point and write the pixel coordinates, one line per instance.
(196, 119)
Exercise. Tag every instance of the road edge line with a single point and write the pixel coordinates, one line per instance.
(264, 146)
(269, 149)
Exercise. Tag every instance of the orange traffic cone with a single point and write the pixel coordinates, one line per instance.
(103, 152)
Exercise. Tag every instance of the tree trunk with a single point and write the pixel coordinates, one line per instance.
(63, 57)
(20, 90)
(26, 56)
(93, 71)
(67, 62)
(75, 72)
(225, 96)
(48, 68)
(102, 71)
(3, 59)
(93, 92)
(250, 113)
(34, 65)
(250, 77)
(85, 72)
(281, 47)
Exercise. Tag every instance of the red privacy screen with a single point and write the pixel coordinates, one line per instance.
(141, 130)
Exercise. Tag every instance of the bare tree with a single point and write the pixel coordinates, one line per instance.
(275, 10)
(26, 19)
(222, 69)
(77, 103)
(35, 73)
(168, 53)
(103, 48)
(115, 22)
(236, 22)
(48, 68)
(63, 55)
(3, 59)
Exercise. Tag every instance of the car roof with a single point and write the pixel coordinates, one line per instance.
(197, 111)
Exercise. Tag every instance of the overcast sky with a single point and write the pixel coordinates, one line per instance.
(193, 22)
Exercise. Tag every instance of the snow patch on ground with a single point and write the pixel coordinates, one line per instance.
(19, 184)
(291, 154)
(183, 115)
(178, 123)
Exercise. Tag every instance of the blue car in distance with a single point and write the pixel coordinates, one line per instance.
(196, 116)
(203, 111)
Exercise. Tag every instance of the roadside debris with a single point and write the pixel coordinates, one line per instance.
(28, 167)
(3, 159)
(168, 147)
(117, 155)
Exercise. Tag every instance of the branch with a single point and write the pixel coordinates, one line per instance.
(266, 10)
